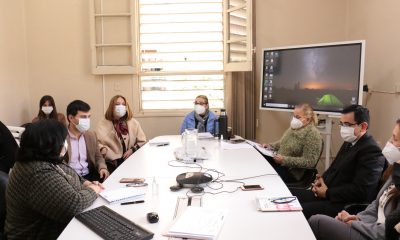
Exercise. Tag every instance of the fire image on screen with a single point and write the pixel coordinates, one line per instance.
(327, 77)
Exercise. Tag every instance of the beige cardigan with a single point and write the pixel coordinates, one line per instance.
(108, 138)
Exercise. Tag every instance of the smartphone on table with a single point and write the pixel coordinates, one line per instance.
(251, 187)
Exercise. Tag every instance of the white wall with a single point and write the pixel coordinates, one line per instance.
(59, 60)
(14, 93)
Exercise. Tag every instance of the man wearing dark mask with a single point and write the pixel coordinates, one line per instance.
(201, 118)
(83, 152)
(379, 220)
(354, 174)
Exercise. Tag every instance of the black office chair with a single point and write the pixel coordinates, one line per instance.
(3, 186)
(391, 221)
(309, 175)
(354, 208)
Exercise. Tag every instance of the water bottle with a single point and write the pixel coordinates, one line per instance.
(216, 125)
(223, 125)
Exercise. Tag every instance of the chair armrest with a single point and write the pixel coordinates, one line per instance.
(354, 208)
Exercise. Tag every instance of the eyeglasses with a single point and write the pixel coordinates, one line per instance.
(200, 103)
(346, 124)
(283, 200)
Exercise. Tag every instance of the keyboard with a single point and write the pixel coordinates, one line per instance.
(110, 225)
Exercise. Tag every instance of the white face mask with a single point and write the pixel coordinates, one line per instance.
(347, 133)
(199, 109)
(83, 125)
(391, 153)
(296, 123)
(47, 110)
(120, 110)
(64, 151)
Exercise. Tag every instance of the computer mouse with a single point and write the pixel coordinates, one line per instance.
(197, 189)
(152, 217)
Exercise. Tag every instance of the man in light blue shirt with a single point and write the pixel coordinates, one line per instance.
(201, 118)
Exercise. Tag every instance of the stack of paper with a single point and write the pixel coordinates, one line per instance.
(197, 223)
(266, 204)
(122, 195)
(264, 151)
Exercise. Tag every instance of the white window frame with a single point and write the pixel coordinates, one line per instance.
(98, 68)
(238, 66)
(134, 68)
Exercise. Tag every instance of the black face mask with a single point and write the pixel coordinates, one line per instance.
(396, 175)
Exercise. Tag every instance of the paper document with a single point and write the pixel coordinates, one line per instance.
(120, 195)
(278, 204)
(158, 142)
(232, 146)
(197, 223)
(264, 151)
(204, 135)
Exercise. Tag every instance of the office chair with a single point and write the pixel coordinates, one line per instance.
(309, 175)
(16, 132)
(354, 208)
(3, 186)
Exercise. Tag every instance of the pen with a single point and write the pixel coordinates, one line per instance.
(134, 202)
(160, 145)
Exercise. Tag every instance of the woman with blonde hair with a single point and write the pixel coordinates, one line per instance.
(119, 134)
(299, 147)
(201, 118)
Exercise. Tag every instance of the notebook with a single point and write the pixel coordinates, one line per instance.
(266, 204)
(126, 194)
(197, 223)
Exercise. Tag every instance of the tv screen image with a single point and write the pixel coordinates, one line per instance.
(327, 76)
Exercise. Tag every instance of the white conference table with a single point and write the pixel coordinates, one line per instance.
(242, 220)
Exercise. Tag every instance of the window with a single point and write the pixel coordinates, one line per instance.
(176, 49)
(112, 37)
(181, 53)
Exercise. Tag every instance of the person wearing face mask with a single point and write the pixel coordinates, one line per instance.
(119, 134)
(372, 222)
(83, 152)
(201, 118)
(299, 147)
(353, 176)
(48, 110)
(43, 193)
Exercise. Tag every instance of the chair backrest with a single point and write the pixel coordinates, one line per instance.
(320, 153)
(3, 186)
(16, 132)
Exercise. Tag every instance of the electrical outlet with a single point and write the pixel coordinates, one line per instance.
(397, 87)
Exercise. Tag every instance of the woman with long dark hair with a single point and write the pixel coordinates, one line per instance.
(43, 193)
(48, 110)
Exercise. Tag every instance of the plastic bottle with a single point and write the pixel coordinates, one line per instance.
(154, 187)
